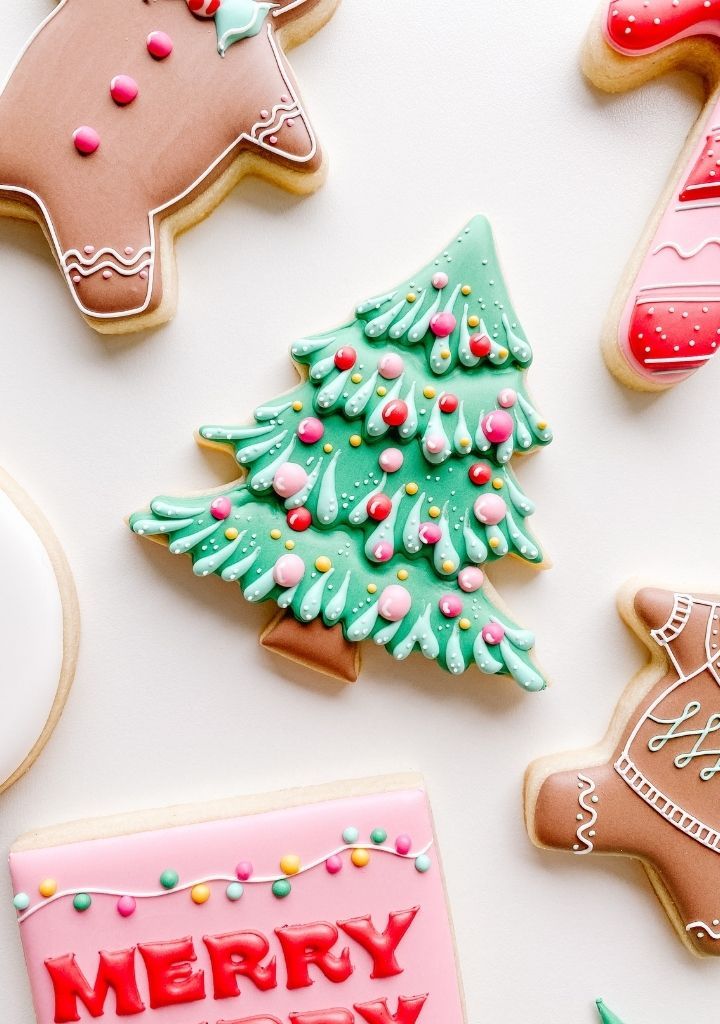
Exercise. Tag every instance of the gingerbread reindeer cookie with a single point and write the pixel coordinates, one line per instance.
(650, 791)
(127, 121)
(665, 320)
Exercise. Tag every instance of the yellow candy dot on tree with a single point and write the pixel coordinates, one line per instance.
(465, 442)
(323, 564)
(448, 566)
(411, 488)
(360, 858)
(429, 392)
(434, 512)
(494, 542)
(289, 544)
(541, 425)
(355, 440)
(402, 574)
(498, 484)
(356, 378)
(297, 406)
(275, 534)
(411, 296)
(47, 888)
(445, 353)
(466, 289)
(372, 588)
(200, 894)
(503, 353)
(327, 448)
(290, 864)
(381, 391)
(473, 321)
(464, 623)
(231, 533)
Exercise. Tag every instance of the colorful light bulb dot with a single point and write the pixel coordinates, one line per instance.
(333, 865)
(21, 902)
(350, 835)
(82, 902)
(126, 906)
(169, 879)
(281, 888)
(290, 864)
(403, 844)
(378, 836)
(200, 894)
(244, 870)
(47, 888)
(423, 863)
(360, 858)
(234, 892)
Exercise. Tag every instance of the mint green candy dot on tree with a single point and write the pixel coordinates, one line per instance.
(378, 491)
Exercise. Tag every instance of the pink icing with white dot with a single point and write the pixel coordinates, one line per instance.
(498, 426)
(470, 579)
(289, 479)
(391, 366)
(490, 509)
(394, 603)
(288, 570)
(391, 460)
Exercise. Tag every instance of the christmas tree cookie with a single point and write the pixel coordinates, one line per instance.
(606, 1015)
(665, 321)
(650, 790)
(39, 631)
(319, 906)
(127, 121)
(379, 490)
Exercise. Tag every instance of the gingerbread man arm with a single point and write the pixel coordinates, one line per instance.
(648, 791)
(665, 321)
(112, 173)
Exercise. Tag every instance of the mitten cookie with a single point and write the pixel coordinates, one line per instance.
(319, 906)
(665, 321)
(126, 121)
(39, 631)
(377, 488)
(650, 791)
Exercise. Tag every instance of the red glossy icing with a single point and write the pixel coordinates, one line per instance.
(704, 179)
(116, 972)
(636, 26)
(171, 977)
(682, 342)
(381, 945)
(306, 945)
(378, 1012)
(239, 954)
(335, 1016)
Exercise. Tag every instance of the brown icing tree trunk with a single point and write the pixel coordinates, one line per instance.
(314, 645)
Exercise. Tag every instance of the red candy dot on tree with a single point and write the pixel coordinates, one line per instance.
(345, 358)
(221, 508)
(395, 413)
(379, 507)
(159, 45)
(480, 473)
(480, 345)
(299, 520)
(448, 403)
(443, 324)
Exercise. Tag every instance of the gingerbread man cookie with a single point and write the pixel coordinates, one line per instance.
(665, 320)
(127, 121)
(39, 630)
(649, 791)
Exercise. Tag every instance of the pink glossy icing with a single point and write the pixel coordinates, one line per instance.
(124, 90)
(490, 509)
(310, 430)
(391, 460)
(391, 366)
(290, 478)
(394, 603)
(497, 426)
(388, 884)
(86, 139)
(159, 45)
(288, 570)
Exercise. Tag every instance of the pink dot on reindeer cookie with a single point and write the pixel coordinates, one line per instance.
(86, 139)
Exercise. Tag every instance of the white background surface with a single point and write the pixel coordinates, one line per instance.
(430, 111)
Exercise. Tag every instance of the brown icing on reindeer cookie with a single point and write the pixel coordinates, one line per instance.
(126, 121)
(655, 797)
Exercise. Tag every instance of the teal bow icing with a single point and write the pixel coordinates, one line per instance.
(239, 19)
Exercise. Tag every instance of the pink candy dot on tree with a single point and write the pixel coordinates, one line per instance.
(391, 460)
(310, 430)
(429, 533)
(391, 366)
(221, 508)
(470, 579)
(507, 398)
(498, 426)
(440, 280)
(289, 479)
(450, 605)
(443, 324)
(383, 551)
(493, 633)
(435, 444)
(394, 603)
(490, 509)
(288, 570)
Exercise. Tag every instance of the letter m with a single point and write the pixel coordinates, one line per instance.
(116, 971)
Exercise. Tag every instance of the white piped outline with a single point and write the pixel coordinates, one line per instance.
(255, 880)
(244, 136)
(584, 830)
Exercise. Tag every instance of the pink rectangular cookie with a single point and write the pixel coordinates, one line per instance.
(315, 906)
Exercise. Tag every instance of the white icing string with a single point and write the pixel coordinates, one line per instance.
(585, 830)
(90, 261)
(686, 254)
(704, 929)
(109, 265)
(255, 880)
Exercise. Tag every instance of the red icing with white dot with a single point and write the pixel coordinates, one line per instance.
(704, 179)
(642, 26)
(667, 336)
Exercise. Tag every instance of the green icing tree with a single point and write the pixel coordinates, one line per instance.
(377, 487)
(606, 1015)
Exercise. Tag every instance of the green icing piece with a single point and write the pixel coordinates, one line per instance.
(440, 439)
(606, 1015)
(239, 19)
(82, 902)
